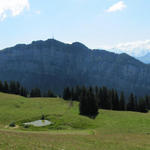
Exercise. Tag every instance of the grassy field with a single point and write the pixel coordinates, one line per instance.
(111, 130)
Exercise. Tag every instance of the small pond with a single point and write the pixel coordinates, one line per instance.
(39, 123)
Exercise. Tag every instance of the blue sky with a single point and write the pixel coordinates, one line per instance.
(97, 23)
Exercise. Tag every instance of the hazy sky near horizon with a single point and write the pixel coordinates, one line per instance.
(96, 23)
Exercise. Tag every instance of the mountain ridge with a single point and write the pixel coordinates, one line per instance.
(52, 64)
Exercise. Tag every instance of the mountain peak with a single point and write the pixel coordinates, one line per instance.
(79, 45)
(52, 64)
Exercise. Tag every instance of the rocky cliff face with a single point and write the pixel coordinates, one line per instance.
(54, 65)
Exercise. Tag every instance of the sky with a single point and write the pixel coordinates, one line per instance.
(116, 25)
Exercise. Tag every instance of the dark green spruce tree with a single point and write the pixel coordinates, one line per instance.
(6, 87)
(91, 104)
(1, 87)
(131, 103)
(23, 92)
(17, 88)
(35, 92)
(147, 100)
(72, 94)
(77, 93)
(142, 106)
(100, 98)
(115, 100)
(96, 91)
(122, 102)
(67, 94)
(106, 104)
(50, 94)
(12, 87)
(83, 106)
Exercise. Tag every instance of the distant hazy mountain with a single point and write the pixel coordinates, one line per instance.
(54, 65)
(145, 59)
(141, 54)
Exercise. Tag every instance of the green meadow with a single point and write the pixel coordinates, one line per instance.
(111, 130)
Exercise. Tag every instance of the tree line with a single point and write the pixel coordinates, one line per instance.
(14, 87)
(104, 98)
(91, 98)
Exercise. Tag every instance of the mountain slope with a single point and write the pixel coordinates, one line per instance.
(145, 59)
(54, 65)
